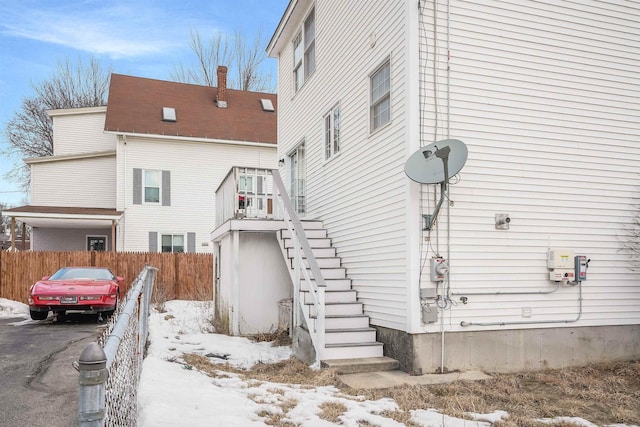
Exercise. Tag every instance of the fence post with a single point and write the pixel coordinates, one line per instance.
(92, 366)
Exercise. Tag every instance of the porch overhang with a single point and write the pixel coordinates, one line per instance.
(63, 217)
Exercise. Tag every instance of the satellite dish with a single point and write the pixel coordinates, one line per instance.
(437, 162)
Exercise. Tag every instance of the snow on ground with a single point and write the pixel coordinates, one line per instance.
(13, 309)
(170, 394)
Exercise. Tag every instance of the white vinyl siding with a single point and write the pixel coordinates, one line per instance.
(359, 195)
(81, 132)
(89, 182)
(548, 106)
(197, 168)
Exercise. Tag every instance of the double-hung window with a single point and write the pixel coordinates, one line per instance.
(304, 51)
(332, 133)
(173, 243)
(381, 96)
(152, 186)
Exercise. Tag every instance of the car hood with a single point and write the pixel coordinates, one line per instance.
(73, 286)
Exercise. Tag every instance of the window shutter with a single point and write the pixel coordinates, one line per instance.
(153, 241)
(166, 188)
(137, 186)
(191, 242)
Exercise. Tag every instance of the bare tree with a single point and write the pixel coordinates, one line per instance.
(242, 58)
(29, 133)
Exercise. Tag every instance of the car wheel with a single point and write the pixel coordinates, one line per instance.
(109, 313)
(38, 315)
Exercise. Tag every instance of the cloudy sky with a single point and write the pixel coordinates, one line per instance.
(145, 38)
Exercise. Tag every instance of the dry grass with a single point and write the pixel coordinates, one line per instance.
(601, 393)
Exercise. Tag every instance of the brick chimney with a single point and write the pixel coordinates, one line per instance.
(221, 98)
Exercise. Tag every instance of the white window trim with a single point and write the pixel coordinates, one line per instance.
(184, 241)
(384, 63)
(300, 34)
(331, 115)
(144, 186)
(88, 236)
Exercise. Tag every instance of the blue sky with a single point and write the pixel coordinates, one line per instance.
(144, 38)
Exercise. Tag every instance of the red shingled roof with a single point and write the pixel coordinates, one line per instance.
(135, 106)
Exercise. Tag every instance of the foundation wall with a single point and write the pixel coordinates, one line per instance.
(511, 350)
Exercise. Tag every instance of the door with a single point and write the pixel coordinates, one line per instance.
(297, 173)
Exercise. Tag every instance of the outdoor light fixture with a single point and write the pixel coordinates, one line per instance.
(281, 162)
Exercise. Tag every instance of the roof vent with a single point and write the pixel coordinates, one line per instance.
(168, 114)
(267, 105)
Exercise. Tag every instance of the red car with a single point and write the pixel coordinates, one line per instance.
(85, 289)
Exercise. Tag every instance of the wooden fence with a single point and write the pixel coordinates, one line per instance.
(181, 276)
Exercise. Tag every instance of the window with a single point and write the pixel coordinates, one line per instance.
(304, 51)
(381, 97)
(172, 243)
(97, 243)
(152, 182)
(152, 187)
(332, 133)
(297, 174)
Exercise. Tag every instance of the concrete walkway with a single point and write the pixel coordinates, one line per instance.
(386, 379)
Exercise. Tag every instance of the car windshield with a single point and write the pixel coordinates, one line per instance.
(83, 273)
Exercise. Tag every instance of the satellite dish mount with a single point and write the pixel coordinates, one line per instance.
(435, 164)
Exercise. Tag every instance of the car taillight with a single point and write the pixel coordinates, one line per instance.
(113, 295)
(89, 297)
(48, 298)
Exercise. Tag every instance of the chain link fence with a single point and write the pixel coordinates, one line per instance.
(110, 369)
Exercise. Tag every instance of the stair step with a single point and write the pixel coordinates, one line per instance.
(319, 233)
(314, 243)
(317, 252)
(345, 336)
(352, 351)
(346, 321)
(332, 273)
(311, 224)
(338, 308)
(332, 262)
(342, 295)
(331, 284)
(356, 366)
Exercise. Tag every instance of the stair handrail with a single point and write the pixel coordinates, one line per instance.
(299, 237)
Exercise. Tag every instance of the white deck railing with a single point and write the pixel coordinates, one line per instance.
(312, 277)
(245, 193)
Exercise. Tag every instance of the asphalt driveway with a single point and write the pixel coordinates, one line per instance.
(39, 386)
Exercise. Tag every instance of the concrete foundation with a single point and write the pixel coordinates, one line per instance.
(511, 350)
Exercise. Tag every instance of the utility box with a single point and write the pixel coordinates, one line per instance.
(562, 265)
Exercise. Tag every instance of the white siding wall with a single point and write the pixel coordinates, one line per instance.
(89, 183)
(546, 97)
(197, 168)
(359, 194)
(81, 133)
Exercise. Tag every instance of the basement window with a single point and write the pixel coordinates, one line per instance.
(168, 114)
(267, 105)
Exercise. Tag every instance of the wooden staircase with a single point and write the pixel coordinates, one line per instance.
(347, 331)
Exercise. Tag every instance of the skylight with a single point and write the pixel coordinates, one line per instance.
(267, 105)
(168, 114)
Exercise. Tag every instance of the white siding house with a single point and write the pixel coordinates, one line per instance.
(128, 177)
(546, 97)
